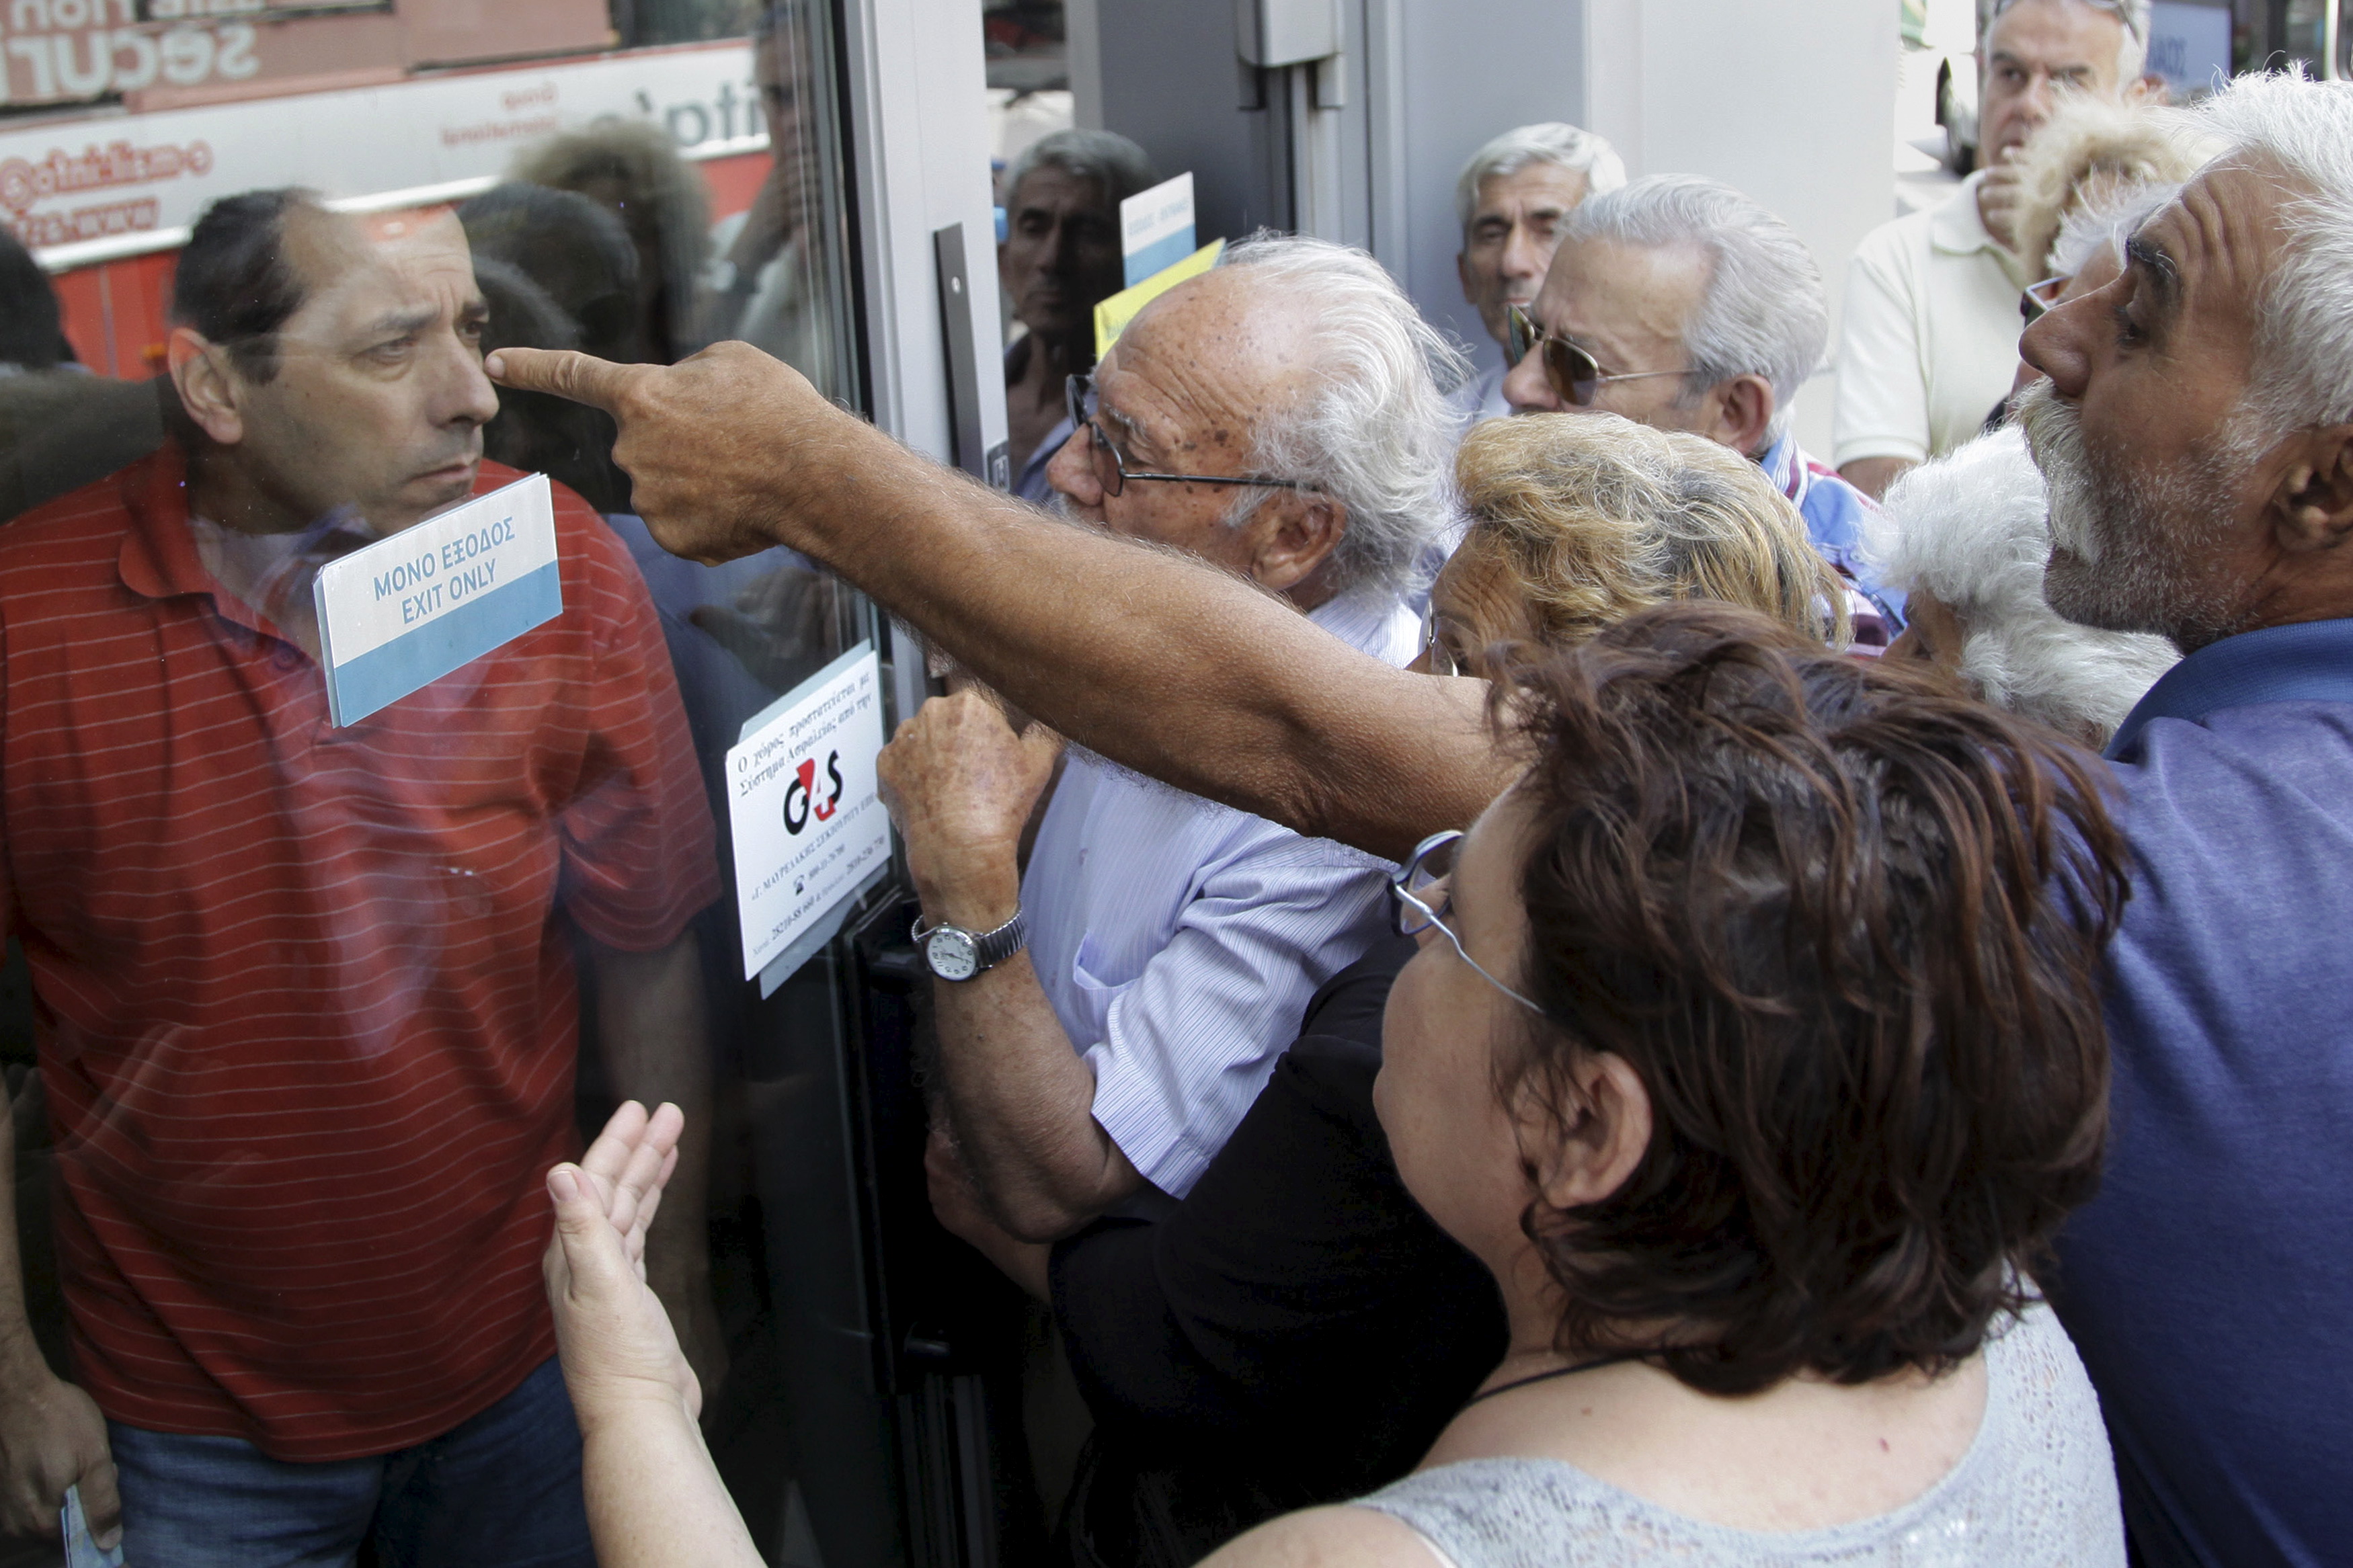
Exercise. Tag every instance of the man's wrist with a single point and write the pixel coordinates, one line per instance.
(22, 1364)
(977, 899)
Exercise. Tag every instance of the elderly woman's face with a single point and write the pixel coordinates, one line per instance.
(1477, 601)
(1452, 1137)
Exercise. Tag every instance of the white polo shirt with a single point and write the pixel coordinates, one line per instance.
(1929, 343)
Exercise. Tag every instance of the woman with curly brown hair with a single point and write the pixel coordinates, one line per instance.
(1753, 1043)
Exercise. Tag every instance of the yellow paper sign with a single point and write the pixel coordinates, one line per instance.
(1113, 314)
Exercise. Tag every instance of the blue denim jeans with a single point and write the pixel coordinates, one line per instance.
(501, 1491)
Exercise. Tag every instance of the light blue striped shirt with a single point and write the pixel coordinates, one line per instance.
(1179, 940)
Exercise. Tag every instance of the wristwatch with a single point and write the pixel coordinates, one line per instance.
(956, 954)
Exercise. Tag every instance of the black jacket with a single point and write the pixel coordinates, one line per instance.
(1295, 1331)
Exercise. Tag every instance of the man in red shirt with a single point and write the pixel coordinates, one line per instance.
(299, 986)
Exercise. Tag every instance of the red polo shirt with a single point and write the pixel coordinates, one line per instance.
(308, 1019)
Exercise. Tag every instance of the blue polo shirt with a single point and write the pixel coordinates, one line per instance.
(2210, 1284)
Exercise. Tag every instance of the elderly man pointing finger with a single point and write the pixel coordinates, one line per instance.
(1106, 1016)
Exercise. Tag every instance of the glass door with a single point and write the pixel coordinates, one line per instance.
(293, 955)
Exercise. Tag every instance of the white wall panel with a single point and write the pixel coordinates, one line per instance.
(1792, 102)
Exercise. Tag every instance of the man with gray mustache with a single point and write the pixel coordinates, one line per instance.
(2196, 429)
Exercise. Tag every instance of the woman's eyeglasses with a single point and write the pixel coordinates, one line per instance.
(2036, 297)
(1112, 471)
(1574, 373)
(1418, 904)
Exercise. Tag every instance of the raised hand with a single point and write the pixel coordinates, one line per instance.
(2001, 199)
(615, 1340)
(961, 786)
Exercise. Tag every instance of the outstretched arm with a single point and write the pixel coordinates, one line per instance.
(1155, 660)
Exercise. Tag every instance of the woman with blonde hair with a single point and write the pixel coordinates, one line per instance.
(2086, 153)
(1578, 520)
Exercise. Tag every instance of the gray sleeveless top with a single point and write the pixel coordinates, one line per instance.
(2036, 1488)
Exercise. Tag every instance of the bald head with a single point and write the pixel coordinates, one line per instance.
(1222, 355)
(1295, 361)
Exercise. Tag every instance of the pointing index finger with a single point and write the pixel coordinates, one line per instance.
(566, 373)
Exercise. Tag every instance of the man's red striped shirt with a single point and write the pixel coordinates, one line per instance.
(306, 1002)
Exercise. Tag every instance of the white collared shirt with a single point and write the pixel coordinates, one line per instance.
(1929, 341)
(1179, 940)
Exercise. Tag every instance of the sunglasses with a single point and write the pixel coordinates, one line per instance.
(2036, 297)
(1112, 472)
(1413, 888)
(1574, 373)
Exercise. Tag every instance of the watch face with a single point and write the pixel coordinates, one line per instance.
(952, 953)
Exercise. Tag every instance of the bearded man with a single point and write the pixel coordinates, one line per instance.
(2197, 434)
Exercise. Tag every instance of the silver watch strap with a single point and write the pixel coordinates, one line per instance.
(1004, 942)
(990, 949)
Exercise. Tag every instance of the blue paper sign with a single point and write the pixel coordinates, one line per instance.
(408, 610)
(1156, 228)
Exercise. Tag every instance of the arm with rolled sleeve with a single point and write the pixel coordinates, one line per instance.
(1882, 391)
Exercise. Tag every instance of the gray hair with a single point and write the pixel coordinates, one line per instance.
(1551, 141)
(1973, 529)
(1763, 313)
(1118, 166)
(1376, 434)
(2131, 55)
(2103, 222)
(2302, 374)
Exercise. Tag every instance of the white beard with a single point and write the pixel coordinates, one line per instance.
(2130, 542)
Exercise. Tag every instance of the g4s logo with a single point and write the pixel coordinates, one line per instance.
(800, 795)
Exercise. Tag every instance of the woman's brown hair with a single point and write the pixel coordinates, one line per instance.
(1846, 924)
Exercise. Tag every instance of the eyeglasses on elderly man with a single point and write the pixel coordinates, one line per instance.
(1570, 368)
(1112, 471)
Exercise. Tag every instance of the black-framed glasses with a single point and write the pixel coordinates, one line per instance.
(2036, 297)
(1574, 375)
(1112, 471)
(1418, 903)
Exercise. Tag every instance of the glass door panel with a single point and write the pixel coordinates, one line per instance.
(280, 984)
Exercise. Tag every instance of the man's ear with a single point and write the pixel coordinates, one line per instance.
(1588, 1147)
(1743, 409)
(1462, 272)
(1297, 532)
(2312, 507)
(209, 389)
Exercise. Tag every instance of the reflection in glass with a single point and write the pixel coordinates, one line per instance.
(316, 1005)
